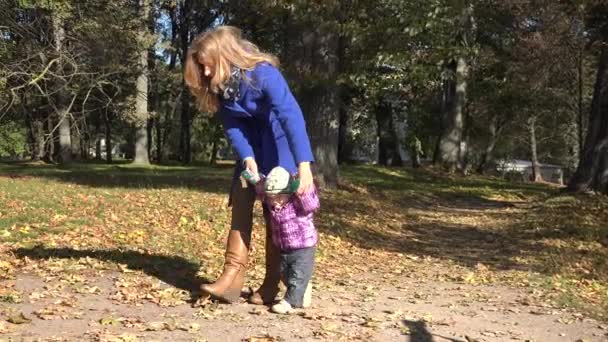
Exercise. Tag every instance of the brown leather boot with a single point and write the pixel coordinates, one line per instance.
(228, 286)
(270, 286)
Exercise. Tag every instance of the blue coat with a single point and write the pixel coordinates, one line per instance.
(266, 122)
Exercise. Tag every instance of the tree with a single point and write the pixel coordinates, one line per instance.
(61, 98)
(592, 171)
(141, 115)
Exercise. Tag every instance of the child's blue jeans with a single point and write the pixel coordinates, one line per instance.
(297, 267)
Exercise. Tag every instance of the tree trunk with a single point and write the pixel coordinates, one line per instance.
(36, 138)
(342, 93)
(217, 134)
(84, 145)
(149, 134)
(141, 99)
(49, 149)
(342, 135)
(486, 156)
(323, 131)
(416, 149)
(446, 96)
(185, 115)
(592, 171)
(388, 147)
(184, 134)
(400, 134)
(321, 98)
(38, 143)
(65, 139)
(98, 148)
(35, 128)
(98, 138)
(108, 123)
(580, 104)
(536, 175)
(159, 140)
(383, 153)
(185, 119)
(451, 139)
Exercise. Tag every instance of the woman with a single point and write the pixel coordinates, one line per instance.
(228, 75)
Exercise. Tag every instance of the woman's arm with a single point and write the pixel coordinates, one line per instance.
(290, 116)
(288, 112)
(237, 134)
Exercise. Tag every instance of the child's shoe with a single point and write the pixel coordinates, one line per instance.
(281, 307)
(306, 301)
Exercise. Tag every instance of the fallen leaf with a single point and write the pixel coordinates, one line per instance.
(108, 321)
(19, 319)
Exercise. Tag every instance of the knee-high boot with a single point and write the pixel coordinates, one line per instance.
(228, 286)
(270, 286)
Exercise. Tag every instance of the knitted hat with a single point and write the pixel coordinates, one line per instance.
(278, 181)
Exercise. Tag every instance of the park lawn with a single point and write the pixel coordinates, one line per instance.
(171, 222)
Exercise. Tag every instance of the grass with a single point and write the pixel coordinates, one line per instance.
(168, 220)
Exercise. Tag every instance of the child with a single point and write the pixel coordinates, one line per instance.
(293, 232)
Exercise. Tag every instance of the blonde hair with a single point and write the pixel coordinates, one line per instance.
(221, 47)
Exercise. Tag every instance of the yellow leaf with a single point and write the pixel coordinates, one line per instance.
(470, 278)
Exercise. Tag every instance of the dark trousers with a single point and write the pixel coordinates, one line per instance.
(297, 267)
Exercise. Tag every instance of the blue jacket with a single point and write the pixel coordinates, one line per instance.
(266, 122)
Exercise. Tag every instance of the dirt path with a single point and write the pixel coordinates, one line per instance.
(406, 309)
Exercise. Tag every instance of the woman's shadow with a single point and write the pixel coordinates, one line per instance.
(173, 270)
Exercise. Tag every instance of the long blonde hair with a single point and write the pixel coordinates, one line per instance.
(221, 47)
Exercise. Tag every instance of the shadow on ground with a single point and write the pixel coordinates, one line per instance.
(214, 179)
(418, 332)
(414, 209)
(172, 270)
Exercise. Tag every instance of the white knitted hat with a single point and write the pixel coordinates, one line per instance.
(277, 181)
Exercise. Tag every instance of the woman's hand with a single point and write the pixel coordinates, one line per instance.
(306, 181)
(252, 166)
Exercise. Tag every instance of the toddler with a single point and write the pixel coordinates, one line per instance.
(293, 232)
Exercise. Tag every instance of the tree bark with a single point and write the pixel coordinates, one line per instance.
(416, 148)
(217, 132)
(141, 99)
(185, 121)
(149, 134)
(486, 156)
(592, 171)
(323, 131)
(35, 128)
(388, 146)
(49, 149)
(65, 139)
(580, 104)
(98, 137)
(321, 99)
(159, 140)
(400, 133)
(446, 96)
(108, 127)
(185, 115)
(451, 139)
(38, 140)
(536, 175)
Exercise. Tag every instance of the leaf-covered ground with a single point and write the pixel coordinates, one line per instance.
(116, 253)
